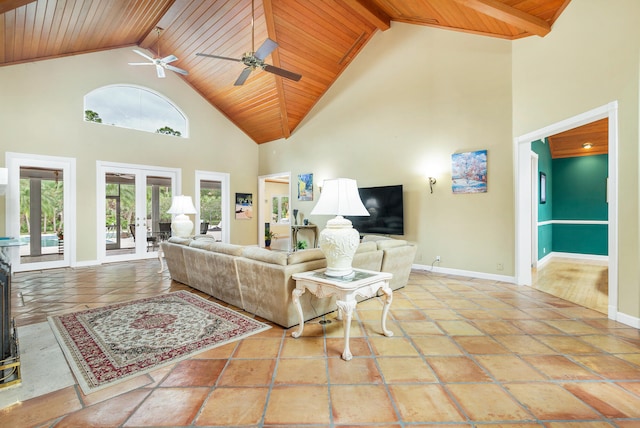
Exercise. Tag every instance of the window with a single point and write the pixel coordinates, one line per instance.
(134, 107)
(280, 209)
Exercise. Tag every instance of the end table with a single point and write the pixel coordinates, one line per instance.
(362, 283)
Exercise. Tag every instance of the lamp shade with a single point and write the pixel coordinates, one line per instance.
(340, 197)
(182, 205)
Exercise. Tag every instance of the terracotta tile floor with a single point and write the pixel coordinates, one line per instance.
(466, 353)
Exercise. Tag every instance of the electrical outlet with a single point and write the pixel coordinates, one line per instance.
(438, 258)
(500, 266)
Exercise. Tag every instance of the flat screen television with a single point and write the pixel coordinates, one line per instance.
(386, 211)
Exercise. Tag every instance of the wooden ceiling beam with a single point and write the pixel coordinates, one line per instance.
(275, 57)
(8, 5)
(510, 15)
(370, 12)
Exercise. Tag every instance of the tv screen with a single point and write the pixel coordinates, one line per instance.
(386, 211)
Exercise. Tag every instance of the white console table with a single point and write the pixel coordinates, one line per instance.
(362, 283)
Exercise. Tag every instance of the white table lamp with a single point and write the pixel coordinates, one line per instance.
(339, 240)
(182, 225)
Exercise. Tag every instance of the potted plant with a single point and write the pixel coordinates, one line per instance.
(268, 236)
(301, 245)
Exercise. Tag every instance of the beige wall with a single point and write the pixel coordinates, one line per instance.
(590, 58)
(42, 113)
(412, 98)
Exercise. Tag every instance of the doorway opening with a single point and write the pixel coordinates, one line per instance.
(274, 196)
(212, 203)
(525, 204)
(134, 220)
(41, 211)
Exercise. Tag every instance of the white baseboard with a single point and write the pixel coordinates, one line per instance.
(467, 273)
(628, 320)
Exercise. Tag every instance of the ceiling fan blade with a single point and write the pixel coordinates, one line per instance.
(141, 63)
(267, 47)
(243, 76)
(219, 57)
(177, 70)
(160, 71)
(282, 72)
(168, 59)
(142, 54)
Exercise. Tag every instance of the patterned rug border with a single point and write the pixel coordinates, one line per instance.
(80, 374)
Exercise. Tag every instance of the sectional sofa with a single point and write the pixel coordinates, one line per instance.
(259, 281)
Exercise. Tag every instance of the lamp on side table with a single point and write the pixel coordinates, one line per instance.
(182, 225)
(339, 240)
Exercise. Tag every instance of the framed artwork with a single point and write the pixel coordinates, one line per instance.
(469, 172)
(305, 187)
(244, 206)
(543, 188)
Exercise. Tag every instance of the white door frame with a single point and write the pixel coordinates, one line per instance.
(262, 203)
(522, 153)
(139, 171)
(224, 179)
(534, 209)
(14, 162)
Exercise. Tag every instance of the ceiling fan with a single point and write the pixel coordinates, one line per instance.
(160, 63)
(255, 59)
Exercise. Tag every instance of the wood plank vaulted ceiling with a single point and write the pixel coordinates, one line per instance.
(317, 39)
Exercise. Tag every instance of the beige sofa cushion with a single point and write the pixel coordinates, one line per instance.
(302, 256)
(181, 241)
(390, 243)
(217, 247)
(267, 256)
(366, 247)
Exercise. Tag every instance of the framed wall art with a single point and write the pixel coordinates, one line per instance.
(469, 172)
(244, 206)
(305, 187)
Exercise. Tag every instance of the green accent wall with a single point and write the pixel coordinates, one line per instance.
(580, 188)
(576, 190)
(581, 238)
(545, 211)
(580, 192)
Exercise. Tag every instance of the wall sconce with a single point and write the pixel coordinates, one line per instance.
(432, 181)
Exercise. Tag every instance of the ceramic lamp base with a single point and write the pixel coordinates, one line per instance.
(181, 226)
(339, 242)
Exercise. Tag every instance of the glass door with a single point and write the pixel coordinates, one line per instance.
(212, 202)
(136, 201)
(41, 211)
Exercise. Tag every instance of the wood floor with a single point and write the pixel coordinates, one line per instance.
(584, 282)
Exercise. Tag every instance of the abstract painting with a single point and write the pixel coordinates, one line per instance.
(469, 172)
(305, 187)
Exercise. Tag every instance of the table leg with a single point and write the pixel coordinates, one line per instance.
(347, 309)
(160, 255)
(388, 297)
(296, 301)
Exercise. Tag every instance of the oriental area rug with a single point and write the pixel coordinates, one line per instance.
(107, 345)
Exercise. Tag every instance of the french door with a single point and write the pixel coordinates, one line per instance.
(41, 211)
(212, 198)
(134, 218)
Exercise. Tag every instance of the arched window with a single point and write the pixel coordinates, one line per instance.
(134, 107)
